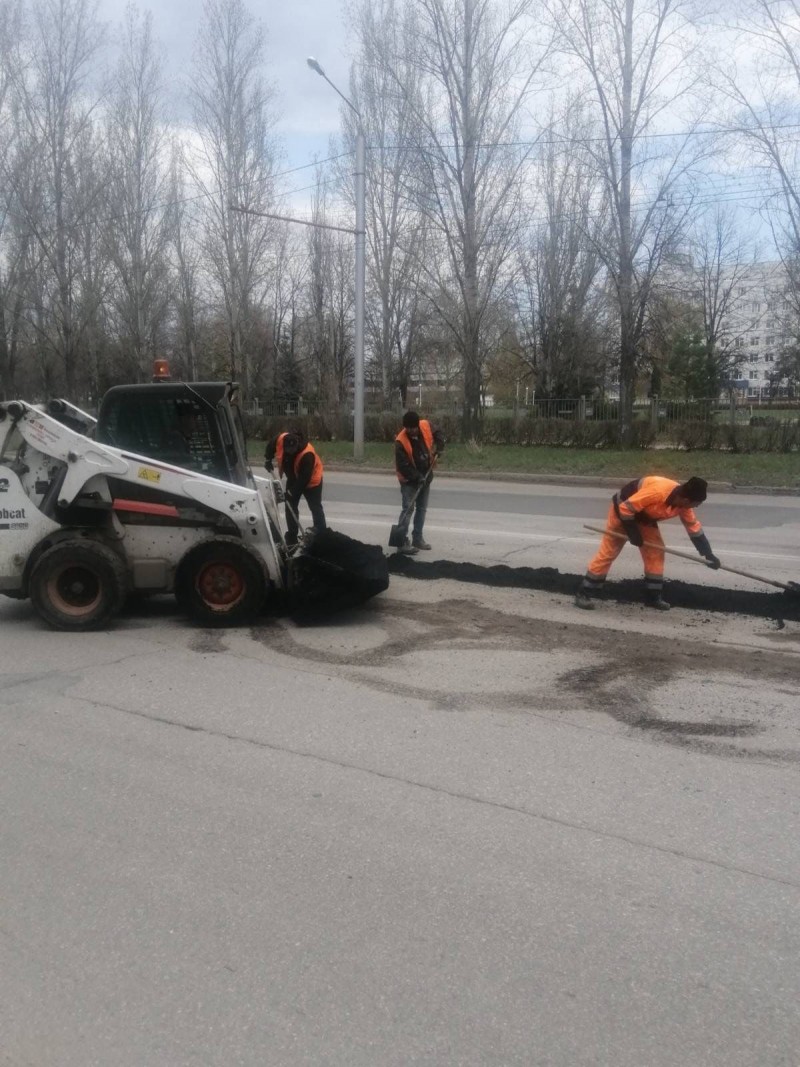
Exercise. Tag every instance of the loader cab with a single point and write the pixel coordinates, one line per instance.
(196, 425)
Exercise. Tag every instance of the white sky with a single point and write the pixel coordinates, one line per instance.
(307, 106)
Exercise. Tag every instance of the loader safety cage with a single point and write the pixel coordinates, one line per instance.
(176, 423)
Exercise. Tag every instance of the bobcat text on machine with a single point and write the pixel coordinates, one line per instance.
(155, 496)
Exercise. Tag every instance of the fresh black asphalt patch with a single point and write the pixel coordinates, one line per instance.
(757, 604)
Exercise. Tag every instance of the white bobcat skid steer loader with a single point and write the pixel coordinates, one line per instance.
(85, 523)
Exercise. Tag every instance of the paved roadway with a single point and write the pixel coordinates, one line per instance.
(543, 525)
(439, 830)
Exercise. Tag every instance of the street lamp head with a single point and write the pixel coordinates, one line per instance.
(315, 66)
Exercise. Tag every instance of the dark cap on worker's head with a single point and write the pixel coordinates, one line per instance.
(696, 490)
(410, 420)
(291, 443)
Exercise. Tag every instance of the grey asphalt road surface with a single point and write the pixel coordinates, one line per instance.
(460, 825)
(543, 525)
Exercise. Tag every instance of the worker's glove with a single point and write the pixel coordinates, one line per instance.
(634, 532)
(701, 543)
(268, 465)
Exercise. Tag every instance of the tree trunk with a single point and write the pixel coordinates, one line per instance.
(627, 348)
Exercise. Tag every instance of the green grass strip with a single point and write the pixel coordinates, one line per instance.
(744, 469)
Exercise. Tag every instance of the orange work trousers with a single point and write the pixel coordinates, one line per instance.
(610, 547)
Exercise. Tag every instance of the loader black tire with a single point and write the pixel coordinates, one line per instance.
(78, 585)
(220, 584)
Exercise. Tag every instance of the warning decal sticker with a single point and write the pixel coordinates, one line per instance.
(147, 474)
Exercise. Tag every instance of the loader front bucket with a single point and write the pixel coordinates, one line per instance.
(331, 572)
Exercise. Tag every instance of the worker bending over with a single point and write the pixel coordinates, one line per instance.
(635, 513)
(302, 467)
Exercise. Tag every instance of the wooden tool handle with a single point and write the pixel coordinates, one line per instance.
(694, 559)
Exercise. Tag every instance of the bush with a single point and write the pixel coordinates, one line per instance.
(693, 435)
(316, 427)
(764, 434)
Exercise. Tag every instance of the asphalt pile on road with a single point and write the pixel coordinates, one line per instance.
(333, 572)
(757, 604)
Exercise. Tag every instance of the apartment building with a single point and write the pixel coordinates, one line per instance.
(759, 324)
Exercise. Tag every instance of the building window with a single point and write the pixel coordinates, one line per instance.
(754, 341)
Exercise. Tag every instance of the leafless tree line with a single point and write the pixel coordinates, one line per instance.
(537, 199)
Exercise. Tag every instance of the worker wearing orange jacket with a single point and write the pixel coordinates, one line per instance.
(302, 467)
(635, 512)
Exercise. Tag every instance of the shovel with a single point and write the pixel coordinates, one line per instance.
(397, 535)
(792, 587)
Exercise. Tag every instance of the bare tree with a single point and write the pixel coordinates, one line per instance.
(395, 229)
(15, 238)
(290, 279)
(138, 187)
(477, 71)
(763, 92)
(635, 56)
(234, 166)
(558, 301)
(99, 363)
(722, 273)
(185, 261)
(57, 105)
(331, 272)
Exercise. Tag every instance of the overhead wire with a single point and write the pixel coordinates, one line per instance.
(722, 191)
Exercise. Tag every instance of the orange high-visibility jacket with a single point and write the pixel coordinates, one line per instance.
(316, 474)
(646, 501)
(427, 436)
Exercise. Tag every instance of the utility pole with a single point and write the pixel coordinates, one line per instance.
(360, 279)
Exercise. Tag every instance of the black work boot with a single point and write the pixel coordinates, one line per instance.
(588, 592)
(654, 599)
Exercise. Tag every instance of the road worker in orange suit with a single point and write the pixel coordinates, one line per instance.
(635, 512)
(302, 467)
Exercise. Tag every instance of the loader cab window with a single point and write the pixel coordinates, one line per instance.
(177, 430)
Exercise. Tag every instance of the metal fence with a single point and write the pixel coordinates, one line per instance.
(656, 410)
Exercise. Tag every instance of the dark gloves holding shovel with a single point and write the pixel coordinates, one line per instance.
(633, 531)
(701, 543)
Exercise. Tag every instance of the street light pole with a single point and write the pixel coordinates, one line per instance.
(360, 279)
